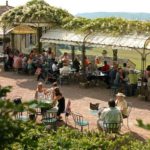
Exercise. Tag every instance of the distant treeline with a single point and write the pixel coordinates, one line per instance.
(126, 15)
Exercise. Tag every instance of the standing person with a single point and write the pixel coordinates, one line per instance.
(109, 115)
(122, 104)
(51, 92)
(119, 78)
(61, 104)
(132, 82)
(40, 73)
(105, 69)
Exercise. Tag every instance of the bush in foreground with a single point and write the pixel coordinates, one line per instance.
(17, 135)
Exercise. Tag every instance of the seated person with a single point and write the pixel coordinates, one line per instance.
(65, 70)
(98, 63)
(105, 68)
(121, 104)
(55, 67)
(17, 62)
(109, 115)
(61, 103)
(40, 73)
(51, 91)
(50, 53)
(76, 64)
(89, 72)
(40, 92)
(65, 58)
(86, 61)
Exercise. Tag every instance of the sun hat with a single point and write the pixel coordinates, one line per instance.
(120, 94)
(40, 83)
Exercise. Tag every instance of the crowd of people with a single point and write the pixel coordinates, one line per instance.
(45, 65)
(117, 110)
(48, 68)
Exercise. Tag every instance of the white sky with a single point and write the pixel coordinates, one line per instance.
(78, 6)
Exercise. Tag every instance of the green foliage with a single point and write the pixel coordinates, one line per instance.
(4, 90)
(70, 139)
(29, 135)
(38, 11)
(142, 125)
(77, 23)
(112, 25)
(35, 11)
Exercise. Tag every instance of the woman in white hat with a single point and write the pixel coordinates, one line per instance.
(122, 104)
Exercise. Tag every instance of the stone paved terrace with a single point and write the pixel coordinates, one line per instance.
(25, 86)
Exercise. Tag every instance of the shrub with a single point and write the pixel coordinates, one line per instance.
(31, 136)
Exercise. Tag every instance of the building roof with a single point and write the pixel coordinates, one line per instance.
(4, 9)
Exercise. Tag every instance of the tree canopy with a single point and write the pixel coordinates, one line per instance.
(35, 11)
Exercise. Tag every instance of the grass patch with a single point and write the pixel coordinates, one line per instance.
(142, 125)
(134, 56)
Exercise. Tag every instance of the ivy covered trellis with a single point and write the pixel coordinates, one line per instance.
(36, 13)
(113, 26)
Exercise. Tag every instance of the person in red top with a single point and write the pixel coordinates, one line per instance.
(86, 61)
(106, 67)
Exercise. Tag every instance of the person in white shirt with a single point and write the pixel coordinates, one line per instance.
(54, 66)
(65, 70)
(109, 115)
(40, 92)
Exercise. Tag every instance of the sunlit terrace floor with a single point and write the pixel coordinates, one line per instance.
(25, 86)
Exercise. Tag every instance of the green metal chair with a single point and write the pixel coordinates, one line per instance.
(21, 116)
(79, 120)
(111, 127)
(50, 118)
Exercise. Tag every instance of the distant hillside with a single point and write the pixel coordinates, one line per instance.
(130, 16)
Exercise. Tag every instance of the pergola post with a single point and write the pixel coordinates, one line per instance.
(12, 41)
(4, 44)
(143, 64)
(84, 51)
(39, 34)
(72, 52)
(83, 58)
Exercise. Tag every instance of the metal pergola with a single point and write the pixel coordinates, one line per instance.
(136, 42)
